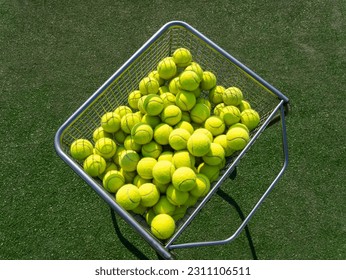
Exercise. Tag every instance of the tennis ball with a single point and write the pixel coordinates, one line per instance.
(184, 179)
(128, 175)
(133, 98)
(109, 166)
(174, 85)
(250, 118)
(191, 201)
(163, 171)
(183, 158)
(199, 113)
(110, 122)
(237, 138)
(206, 132)
(150, 195)
(166, 155)
(175, 196)
(122, 110)
(178, 138)
(215, 156)
(216, 93)
(211, 171)
(222, 140)
(179, 212)
(185, 125)
(145, 167)
(189, 80)
(204, 101)
(163, 89)
(232, 96)
(142, 133)
(167, 68)
(128, 160)
(171, 115)
(185, 100)
(154, 74)
(130, 144)
(81, 149)
(117, 155)
(149, 216)
(128, 122)
(241, 125)
(161, 133)
(196, 68)
(162, 226)
(182, 57)
(105, 147)
(140, 104)
(128, 197)
(153, 105)
(197, 93)
(148, 85)
(218, 108)
(140, 210)
(230, 115)
(168, 98)
(153, 121)
(198, 144)
(202, 186)
(185, 116)
(101, 133)
(215, 125)
(138, 181)
(161, 187)
(113, 181)
(163, 206)
(151, 149)
(94, 165)
(244, 105)
(120, 136)
(208, 80)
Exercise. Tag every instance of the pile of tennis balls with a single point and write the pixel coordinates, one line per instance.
(160, 152)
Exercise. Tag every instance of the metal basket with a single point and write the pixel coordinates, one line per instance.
(267, 100)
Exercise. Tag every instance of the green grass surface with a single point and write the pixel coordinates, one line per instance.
(55, 54)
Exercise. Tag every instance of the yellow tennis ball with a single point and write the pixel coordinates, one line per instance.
(128, 122)
(153, 121)
(105, 147)
(189, 80)
(101, 133)
(241, 125)
(163, 206)
(168, 98)
(166, 155)
(175, 196)
(113, 181)
(184, 179)
(174, 85)
(151, 149)
(128, 197)
(110, 122)
(161, 133)
(153, 105)
(117, 155)
(130, 144)
(230, 115)
(215, 156)
(109, 166)
(218, 108)
(182, 57)
(154, 74)
(206, 132)
(183, 158)
(185, 100)
(222, 140)
(171, 115)
(149, 216)
(163, 171)
(119, 136)
(150, 195)
(232, 96)
(237, 138)
(138, 181)
(94, 165)
(199, 113)
(142, 133)
(179, 212)
(140, 104)
(167, 68)
(133, 98)
(161, 187)
(128, 175)
(145, 167)
(208, 80)
(81, 149)
(148, 85)
(122, 110)
(250, 118)
(216, 93)
(211, 171)
(202, 186)
(215, 125)
(196, 68)
(128, 160)
(244, 105)
(178, 139)
(185, 125)
(198, 144)
(162, 226)
(191, 201)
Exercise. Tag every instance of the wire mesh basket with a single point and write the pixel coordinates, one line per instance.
(267, 100)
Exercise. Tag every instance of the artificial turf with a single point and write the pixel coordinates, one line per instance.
(55, 54)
